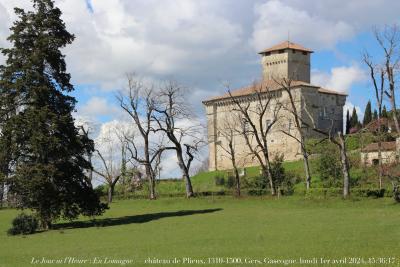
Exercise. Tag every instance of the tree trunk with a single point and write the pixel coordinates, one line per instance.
(233, 159)
(237, 181)
(392, 97)
(45, 223)
(345, 166)
(152, 184)
(189, 188)
(110, 193)
(2, 188)
(306, 169)
(380, 166)
(185, 174)
(394, 113)
(268, 175)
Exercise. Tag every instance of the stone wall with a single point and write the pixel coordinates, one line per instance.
(287, 64)
(371, 158)
(221, 114)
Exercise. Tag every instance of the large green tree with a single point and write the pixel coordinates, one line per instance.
(367, 114)
(46, 153)
(354, 122)
(375, 115)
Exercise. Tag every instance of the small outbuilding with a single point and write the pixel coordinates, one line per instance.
(390, 153)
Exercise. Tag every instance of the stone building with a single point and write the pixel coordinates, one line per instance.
(317, 106)
(390, 152)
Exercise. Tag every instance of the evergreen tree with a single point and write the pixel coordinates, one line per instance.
(367, 114)
(354, 119)
(384, 112)
(47, 152)
(347, 122)
(375, 116)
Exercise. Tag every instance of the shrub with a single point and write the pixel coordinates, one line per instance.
(219, 180)
(329, 166)
(283, 180)
(396, 194)
(255, 182)
(231, 181)
(376, 193)
(23, 224)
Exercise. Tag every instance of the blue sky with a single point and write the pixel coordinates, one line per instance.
(205, 43)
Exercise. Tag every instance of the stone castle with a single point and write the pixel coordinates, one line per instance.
(317, 106)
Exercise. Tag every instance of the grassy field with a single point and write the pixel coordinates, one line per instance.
(290, 228)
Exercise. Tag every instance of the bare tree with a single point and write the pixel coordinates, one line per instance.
(109, 172)
(107, 158)
(139, 103)
(377, 74)
(229, 133)
(178, 123)
(389, 41)
(292, 108)
(259, 112)
(340, 141)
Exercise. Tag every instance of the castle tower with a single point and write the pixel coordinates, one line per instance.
(286, 60)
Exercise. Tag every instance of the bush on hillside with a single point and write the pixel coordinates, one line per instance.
(23, 224)
(219, 180)
(329, 166)
(283, 180)
(231, 181)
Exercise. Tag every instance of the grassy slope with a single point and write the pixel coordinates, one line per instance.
(286, 228)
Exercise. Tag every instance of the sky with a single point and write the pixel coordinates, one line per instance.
(204, 44)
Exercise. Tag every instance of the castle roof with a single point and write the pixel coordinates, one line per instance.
(286, 45)
(268, 85)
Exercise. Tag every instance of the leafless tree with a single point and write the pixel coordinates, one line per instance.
(110, 172)
(337, 139)
(107, 158)
(139, 103)
(377, 74)
(177, 121)
(229, 134)
(259, 113)
(389, 41)
(293, 110)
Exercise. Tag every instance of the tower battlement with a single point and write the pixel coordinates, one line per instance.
(286, 60)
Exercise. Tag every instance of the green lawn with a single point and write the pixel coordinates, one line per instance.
(253, 228)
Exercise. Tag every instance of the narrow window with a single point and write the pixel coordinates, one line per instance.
(268, 123)
(246, 126)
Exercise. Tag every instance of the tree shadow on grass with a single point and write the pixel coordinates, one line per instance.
(143, 218)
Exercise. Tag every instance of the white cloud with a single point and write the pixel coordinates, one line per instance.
(340, 78)
(98, 106)
(157, 38)
(275, 19)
